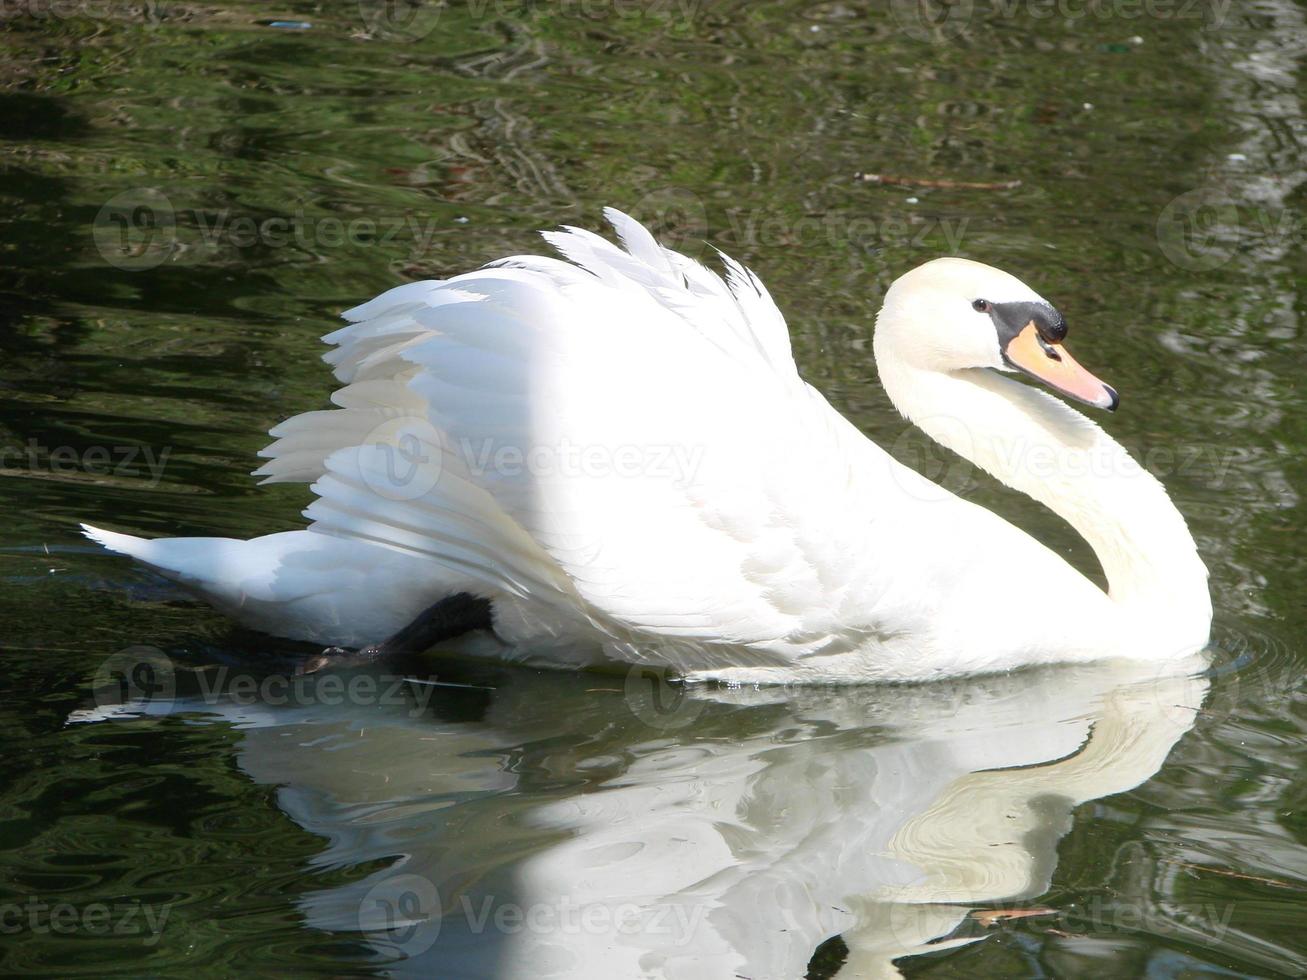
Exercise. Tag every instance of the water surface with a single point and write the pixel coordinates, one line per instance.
(191, 195)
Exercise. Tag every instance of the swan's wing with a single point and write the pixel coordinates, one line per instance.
(626, 434)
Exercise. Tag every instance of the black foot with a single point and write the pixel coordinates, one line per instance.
(341, 659)
(448, 618)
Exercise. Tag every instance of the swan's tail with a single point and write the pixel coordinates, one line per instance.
(206, 564)
(298, 584)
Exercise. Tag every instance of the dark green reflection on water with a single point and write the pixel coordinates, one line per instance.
(364, 153)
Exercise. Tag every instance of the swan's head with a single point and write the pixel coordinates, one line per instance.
(953, 314)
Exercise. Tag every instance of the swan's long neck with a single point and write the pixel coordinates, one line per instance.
(1036, 444)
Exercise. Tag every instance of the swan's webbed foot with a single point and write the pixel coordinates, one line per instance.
(342, 659)
(450, 617)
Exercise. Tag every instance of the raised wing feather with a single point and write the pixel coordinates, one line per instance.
(624, 439)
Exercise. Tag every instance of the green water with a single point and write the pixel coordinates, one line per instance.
(190, 196)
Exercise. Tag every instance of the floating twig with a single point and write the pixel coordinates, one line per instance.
(1227, 873)
(939, 184)
(992, 917)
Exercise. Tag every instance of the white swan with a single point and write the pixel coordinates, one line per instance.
(615, 460)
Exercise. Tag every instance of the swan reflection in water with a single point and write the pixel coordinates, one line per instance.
(575, 826)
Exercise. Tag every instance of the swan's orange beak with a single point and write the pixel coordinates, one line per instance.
(1053, 365)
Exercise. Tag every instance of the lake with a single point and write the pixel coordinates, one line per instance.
(193, 192)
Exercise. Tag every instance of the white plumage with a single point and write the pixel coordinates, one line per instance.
(619, 453)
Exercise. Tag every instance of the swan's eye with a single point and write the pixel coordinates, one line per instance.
(982, 306)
